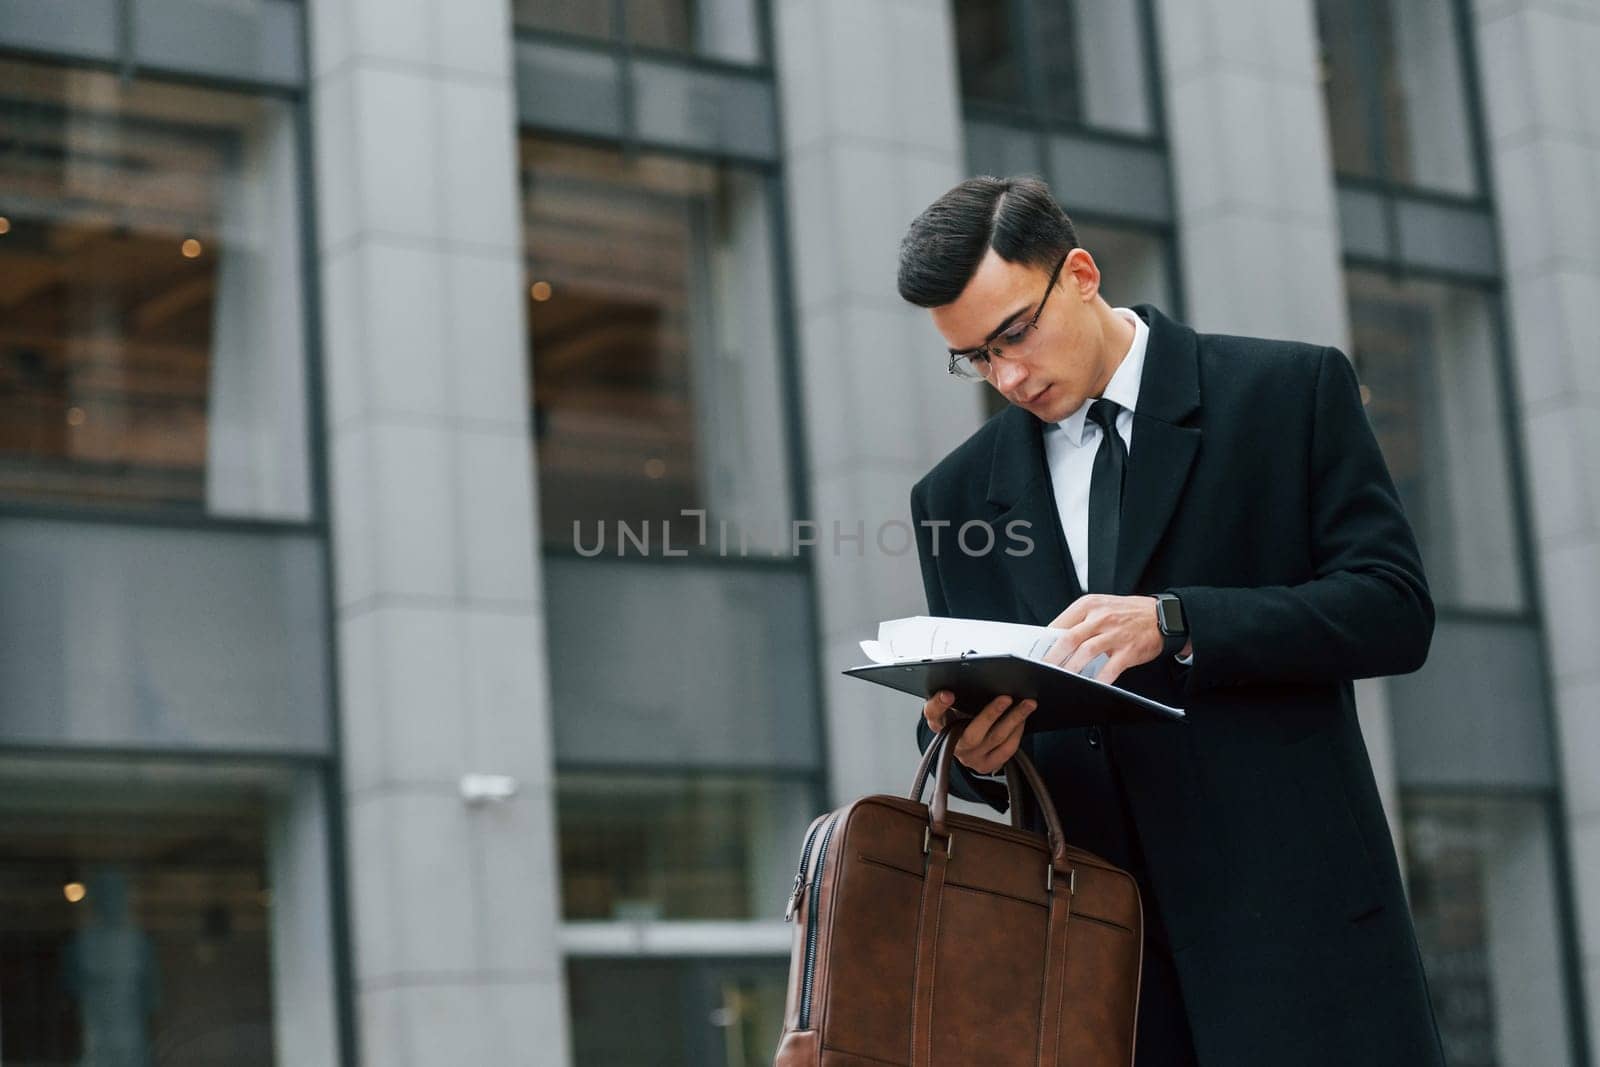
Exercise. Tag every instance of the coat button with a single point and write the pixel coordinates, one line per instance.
(1094, 737)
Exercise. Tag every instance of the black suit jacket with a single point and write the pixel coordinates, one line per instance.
(1256, 491)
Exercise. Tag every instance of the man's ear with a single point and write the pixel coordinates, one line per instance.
(1082, 273)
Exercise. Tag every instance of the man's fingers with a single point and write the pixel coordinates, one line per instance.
(1002, 740)
(1088, 651)
(1007, 732)
(973, 738)
(937, 709)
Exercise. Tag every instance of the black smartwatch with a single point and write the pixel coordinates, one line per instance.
(1174, 628)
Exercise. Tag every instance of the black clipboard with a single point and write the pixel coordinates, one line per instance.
(1065, 699)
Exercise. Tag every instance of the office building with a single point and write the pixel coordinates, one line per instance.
(449, 450)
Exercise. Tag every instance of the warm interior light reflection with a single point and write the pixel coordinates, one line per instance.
(191, 248)
(654, 467)
(76, 416)
(540, 291)
(5, 224)
(74, 892)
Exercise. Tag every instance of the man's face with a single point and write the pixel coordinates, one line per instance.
(1060, 362)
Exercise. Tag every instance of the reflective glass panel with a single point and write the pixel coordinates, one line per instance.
(134, 931)
(1396, 93)
(1483, 898)
(1428, 357)
(651, 314)
(1347, 72)
(679, 846)
(727, 30)
(710, 1013)
(151, 323)
(986, 44)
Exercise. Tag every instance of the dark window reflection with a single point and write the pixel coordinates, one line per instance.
(726, 30)
(1055, 28)
(131, 940)
(986, 41)
(651, 316)
(669, 846)
(1428, 356)
(1345, 71)
(1055, 62)
(150, 310)
(1396, 93)
(643, 1013)
(1483, 897)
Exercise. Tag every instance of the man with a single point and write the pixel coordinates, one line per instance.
(1211, 518)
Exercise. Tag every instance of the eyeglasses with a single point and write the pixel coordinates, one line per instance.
(975, 364)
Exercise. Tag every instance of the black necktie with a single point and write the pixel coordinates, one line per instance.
(1105, 498)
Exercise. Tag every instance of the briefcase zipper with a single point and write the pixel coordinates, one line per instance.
(809, 973)
(800, 875)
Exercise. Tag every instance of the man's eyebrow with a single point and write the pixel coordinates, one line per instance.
(996, 332)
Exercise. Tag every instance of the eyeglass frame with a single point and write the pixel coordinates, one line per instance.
(992, 347)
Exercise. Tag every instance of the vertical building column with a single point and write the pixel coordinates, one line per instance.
(453, 906)
(1540, 85)
(1258, 234)
(872, 135)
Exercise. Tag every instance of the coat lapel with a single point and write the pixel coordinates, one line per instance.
(1020, 483)
(1163, 448)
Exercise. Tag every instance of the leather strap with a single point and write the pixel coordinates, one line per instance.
(1051, 1007)
(944, 742)
(1060, 880)
(919, 784)
(937, 859)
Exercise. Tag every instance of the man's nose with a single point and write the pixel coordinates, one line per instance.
(1008, 375)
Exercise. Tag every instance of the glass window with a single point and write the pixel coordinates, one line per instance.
(727, 30)
(986, 44)
(151, 325)
(1428, 357)
(1113, 85)
(1396, 93)
(1483, 897)
(655, 369)
(711, 1013)
(133, 933)
(1088, 60)
(679, 846)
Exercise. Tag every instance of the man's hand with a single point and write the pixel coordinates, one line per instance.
(990, 739)
(1122, 627)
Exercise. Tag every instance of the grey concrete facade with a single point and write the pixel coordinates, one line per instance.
(438, 615)
(1541, 91)
(1257, 228)
(872, 135)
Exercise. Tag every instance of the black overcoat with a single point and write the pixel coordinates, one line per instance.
(1256, 491)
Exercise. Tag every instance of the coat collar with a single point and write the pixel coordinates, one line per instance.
(1163, 451)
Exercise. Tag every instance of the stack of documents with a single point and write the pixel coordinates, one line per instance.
(979, 660)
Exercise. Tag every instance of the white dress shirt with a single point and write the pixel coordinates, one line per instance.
(1070, 446)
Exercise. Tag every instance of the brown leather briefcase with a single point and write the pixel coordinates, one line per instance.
(930, 938)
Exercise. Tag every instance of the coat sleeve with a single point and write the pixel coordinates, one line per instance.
(969, 787)
(1366, 612)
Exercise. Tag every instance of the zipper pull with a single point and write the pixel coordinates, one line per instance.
(794, 898)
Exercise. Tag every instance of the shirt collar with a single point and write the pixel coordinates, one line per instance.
(1123, 388)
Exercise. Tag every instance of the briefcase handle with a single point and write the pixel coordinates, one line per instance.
(943, 747)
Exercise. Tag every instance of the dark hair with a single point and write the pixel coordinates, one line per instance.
(1017, 217)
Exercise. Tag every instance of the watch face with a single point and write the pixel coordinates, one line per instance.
(1169, 613)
